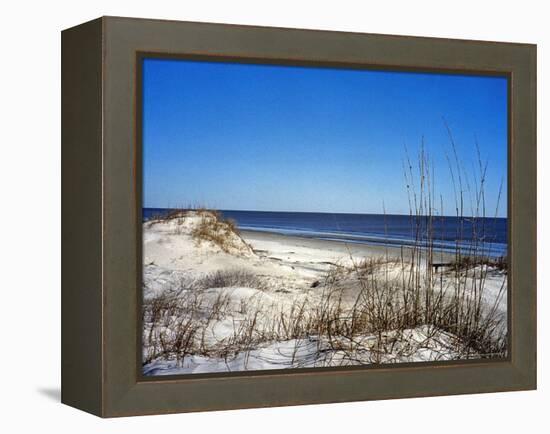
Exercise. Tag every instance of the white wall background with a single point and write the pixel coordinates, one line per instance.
(30, 214)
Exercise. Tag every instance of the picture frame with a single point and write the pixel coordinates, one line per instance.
(101, 216)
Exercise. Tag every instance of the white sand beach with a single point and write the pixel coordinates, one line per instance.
(252, 300)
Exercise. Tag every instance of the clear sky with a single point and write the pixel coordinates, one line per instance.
(285, 138)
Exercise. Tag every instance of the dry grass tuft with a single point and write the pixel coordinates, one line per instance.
(464, 263)
(213, 228)
(231, 278)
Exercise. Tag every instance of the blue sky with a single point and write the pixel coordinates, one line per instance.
(285, 138)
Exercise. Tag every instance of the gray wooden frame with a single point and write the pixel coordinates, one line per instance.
(101, 185)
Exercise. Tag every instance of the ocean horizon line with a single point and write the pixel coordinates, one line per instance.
(327, 212)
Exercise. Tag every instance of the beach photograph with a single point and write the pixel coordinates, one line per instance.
(301, 217)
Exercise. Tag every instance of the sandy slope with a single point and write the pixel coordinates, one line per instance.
(295, 262)
(292, 263)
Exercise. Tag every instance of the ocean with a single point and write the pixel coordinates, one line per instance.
(377, 229)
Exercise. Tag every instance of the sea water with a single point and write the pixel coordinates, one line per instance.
(447, 233)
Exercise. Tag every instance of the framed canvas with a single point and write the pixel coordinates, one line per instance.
(260, 217)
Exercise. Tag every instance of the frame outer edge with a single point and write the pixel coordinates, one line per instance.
(81, 209)
(523, 239)
(531, 365)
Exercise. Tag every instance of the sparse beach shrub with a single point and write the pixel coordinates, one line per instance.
(213, 228)
(177, 216)
(464, 263)
(231, 278)
(367, 266)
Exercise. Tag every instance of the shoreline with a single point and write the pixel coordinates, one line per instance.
(337, 247)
